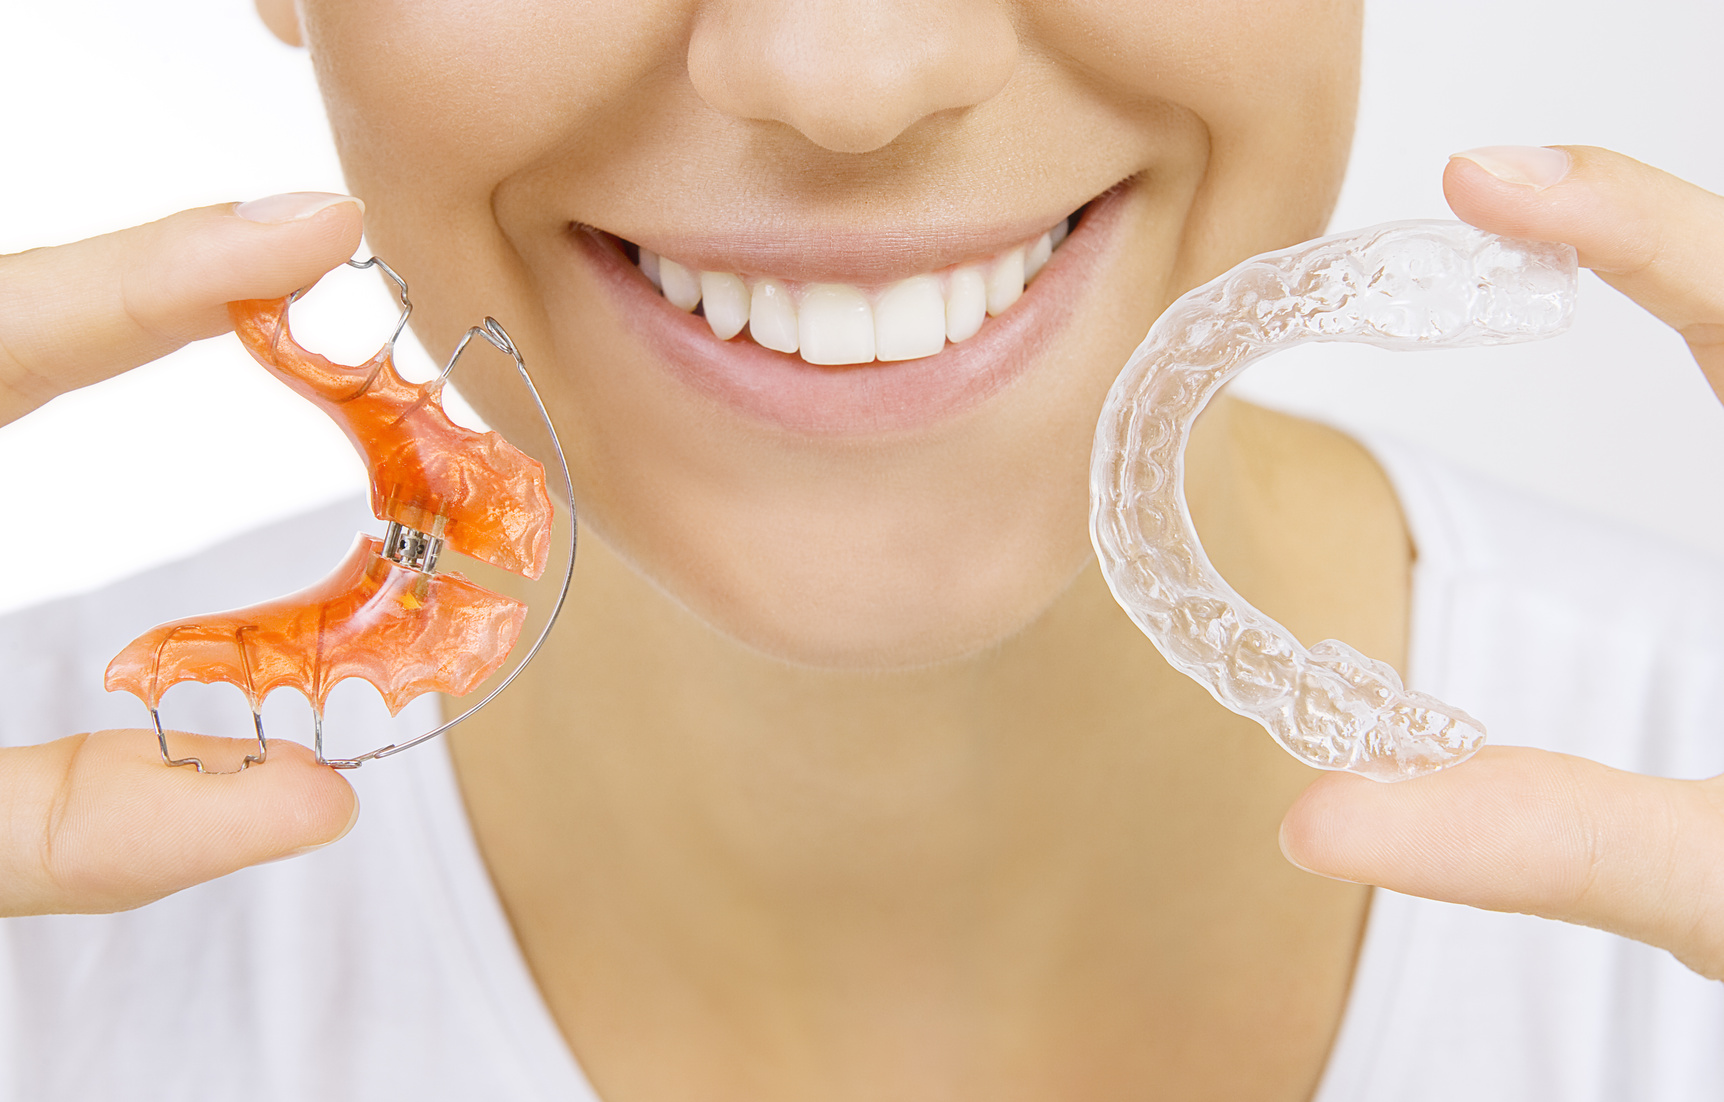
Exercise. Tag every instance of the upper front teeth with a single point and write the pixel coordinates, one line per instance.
(726, 303)
(771, 316)
(909, 320)
(966, 303)
(836, 323)
(1005, 281)
(679, 284)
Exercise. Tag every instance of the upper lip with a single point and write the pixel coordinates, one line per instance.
(813, 254)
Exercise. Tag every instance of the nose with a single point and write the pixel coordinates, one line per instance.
(850, 75)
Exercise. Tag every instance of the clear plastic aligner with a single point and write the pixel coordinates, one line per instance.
(1402, 285)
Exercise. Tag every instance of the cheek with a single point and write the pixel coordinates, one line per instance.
(443, 76)
(1275, 85)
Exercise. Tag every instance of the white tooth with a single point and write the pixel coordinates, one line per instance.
(772, 317)
(1037, 256)
(834, 325)
(726, 300)
(1005, 281)
(649, 268)
(966, 303)
(910, 320)
(1058, 233)
(681, 286)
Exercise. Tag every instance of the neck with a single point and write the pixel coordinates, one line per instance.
(793, 844)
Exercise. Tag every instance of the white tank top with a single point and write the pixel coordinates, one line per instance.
(384, 967)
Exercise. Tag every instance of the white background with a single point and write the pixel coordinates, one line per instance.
(118, 112)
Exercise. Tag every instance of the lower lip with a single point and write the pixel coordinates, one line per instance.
(865, 399)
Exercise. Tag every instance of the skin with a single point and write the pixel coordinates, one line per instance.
(872, 551)
(813, 778)
(844, 776)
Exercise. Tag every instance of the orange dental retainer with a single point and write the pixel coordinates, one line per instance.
(386, 614)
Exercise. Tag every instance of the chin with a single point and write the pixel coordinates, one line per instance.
(860, 604)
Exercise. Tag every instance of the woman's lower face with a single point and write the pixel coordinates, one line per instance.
(839, 178)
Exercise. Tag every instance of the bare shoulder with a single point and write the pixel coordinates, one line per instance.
(1304, 523)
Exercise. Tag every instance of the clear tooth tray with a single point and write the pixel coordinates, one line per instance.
(1402, 285)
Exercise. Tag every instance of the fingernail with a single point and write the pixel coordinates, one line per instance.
(1281, 839)
(303, 850)
(1287, 852)
(352, 817)
(1535, 166)
(291, 206)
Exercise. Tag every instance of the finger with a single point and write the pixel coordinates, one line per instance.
(1652, 236)
(1536, 832)
(76, 314)
(97, 823)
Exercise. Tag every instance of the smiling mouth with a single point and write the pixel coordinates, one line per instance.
(836, 324)
(824, 366)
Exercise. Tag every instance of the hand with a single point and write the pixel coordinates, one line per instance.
(97, 822)
(1550, 834)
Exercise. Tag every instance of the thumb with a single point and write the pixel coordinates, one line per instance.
(1516, 829)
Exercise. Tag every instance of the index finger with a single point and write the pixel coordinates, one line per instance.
(1654, 237)
(72, 315)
